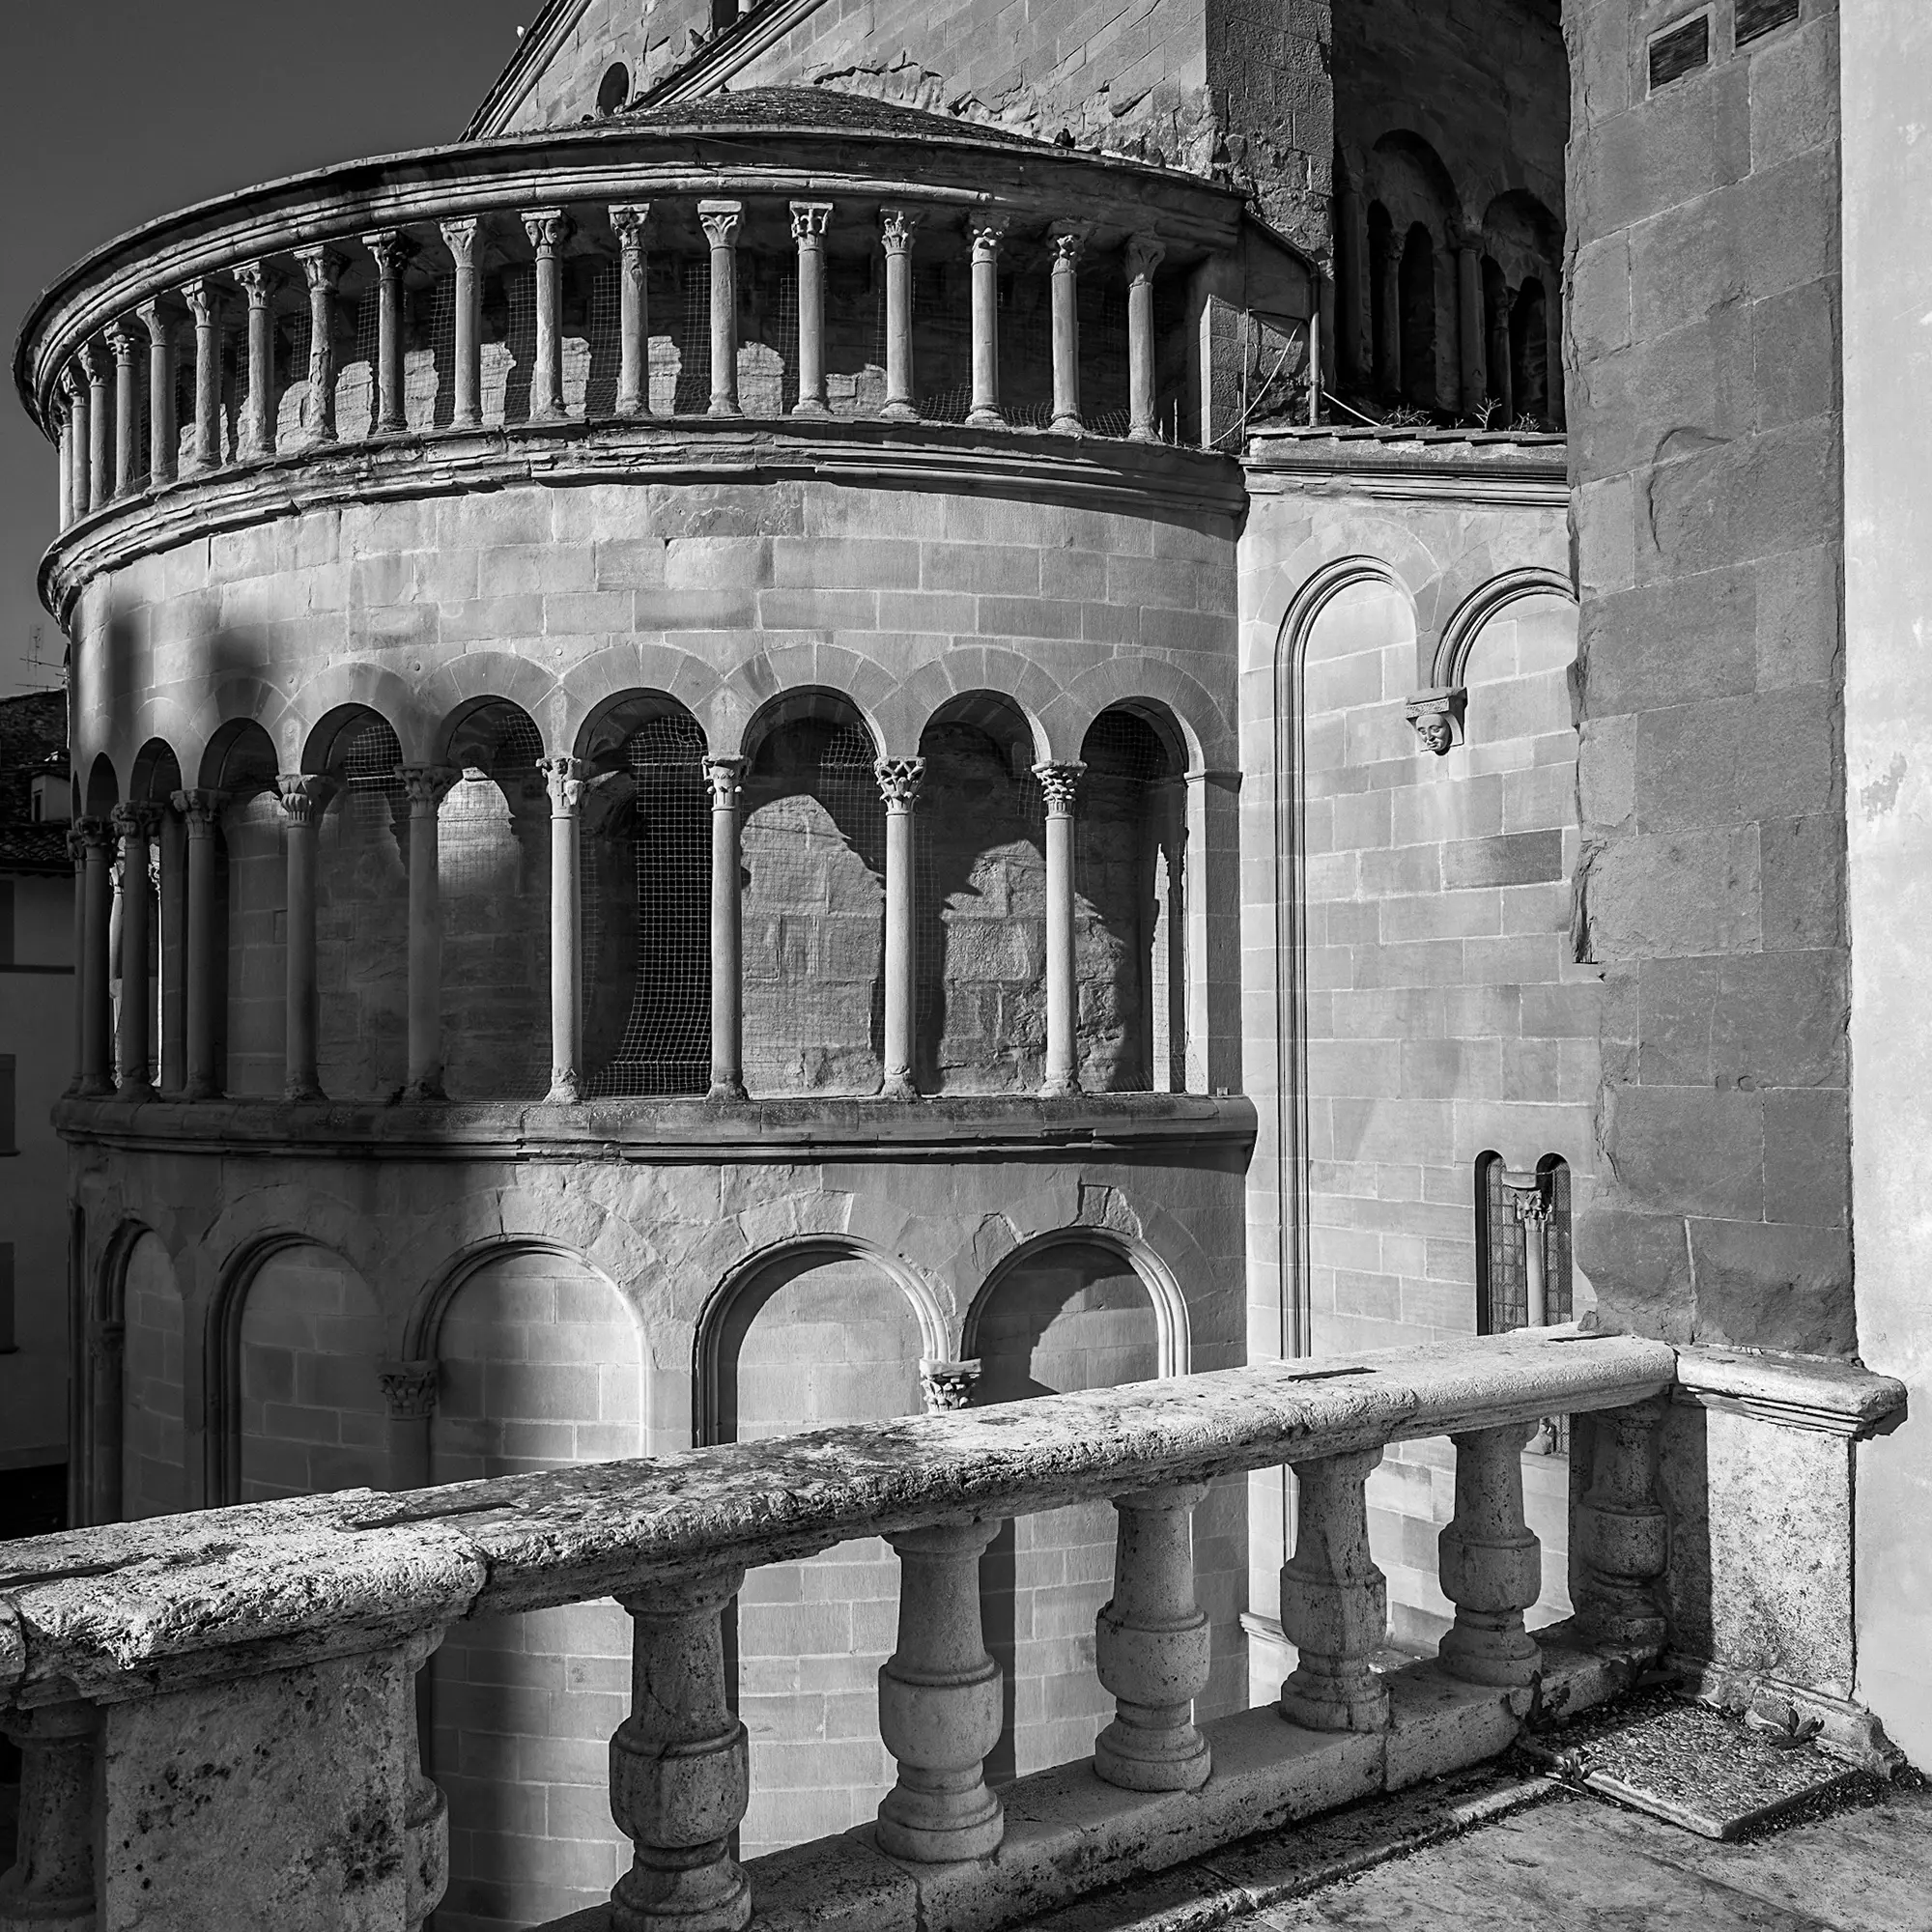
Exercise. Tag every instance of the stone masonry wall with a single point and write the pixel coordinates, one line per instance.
(1704, 340)
(152, 1477)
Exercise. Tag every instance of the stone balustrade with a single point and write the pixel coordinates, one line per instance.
(189, 1684)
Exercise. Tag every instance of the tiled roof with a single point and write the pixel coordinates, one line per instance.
(33, 728)
(34, 848)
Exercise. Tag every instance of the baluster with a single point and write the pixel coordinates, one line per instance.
(1151, 1642)
(1490, 1564)
(680, 1766)
(425, 1810)
(939, 1702)
(1334, 1602)
(1618, 1544)
(51, 1882)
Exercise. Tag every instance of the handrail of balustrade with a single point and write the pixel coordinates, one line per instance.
(111, 1611)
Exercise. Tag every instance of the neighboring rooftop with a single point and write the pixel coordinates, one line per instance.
(33, 731)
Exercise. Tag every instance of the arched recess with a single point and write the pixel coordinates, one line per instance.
(540, 1366)
(646, 848)
(493, 869)
(1067, 1310)
(1130, 871)
(812, 854)
(813, 1333)
(1385, 334)
(153, 782)
(1309, 753)
(1450, 665)
(252, 886)
(361, 904)
(1529, 350)
(153, 1477)
(979, 900)
(1415, 190)
(1416, 297)
(103, 787)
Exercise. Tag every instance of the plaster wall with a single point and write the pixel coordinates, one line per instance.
(1887, 261)
(1703, 344)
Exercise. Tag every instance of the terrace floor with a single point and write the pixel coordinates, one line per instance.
(1495, 1849)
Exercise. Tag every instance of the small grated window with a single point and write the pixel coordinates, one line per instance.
(1682, 50)
(1758, 17)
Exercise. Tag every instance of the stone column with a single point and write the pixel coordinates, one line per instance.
(394, 251)
(564, 778)
(52, 1880)
(1552, 322)
(463, 237)
(1490, 1563)
(808, 222)
(163, 434)
(106, 1367)
(96, 1005)
(255, 433)
(897, 227)
(898, 784)
(1388, 299)
(1144, 256)
(1334, 1602)
(305, 797)
(1354, 338)
(939, 1702)
(1472, 357)
(135, 827)
(76, 852)
(425, 787)
(204, 972)
(204, 304)
(73, 447)
(547, 228)
(171, 950)
(719, 221)
(99, 368)
(727, 1045)
(322, 267)
(634, 328)
(1498, 339)
(1059, 786)
(1618, 1534)
(1068, 240)
(1152, 1647)
(408, 1394)
(984, 232)
(126, 342)
(680, 1766)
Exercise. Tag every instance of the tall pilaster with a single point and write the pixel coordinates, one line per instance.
(126, 343)
(1068, 241)
(565, 780)
(99, 368)
(73, 446)
(1470, 350)
(727, 1042)
(425, 787)
(135, 828)
(719, 221)
(204, 305)
(204, 971)
(96, 1005)
(1145, 254)
(898, 785)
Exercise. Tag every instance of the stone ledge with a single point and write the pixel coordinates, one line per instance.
(682, 1131)
(1068, 1835)
(1791, 1391)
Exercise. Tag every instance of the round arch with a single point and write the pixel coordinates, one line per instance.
(1483, 602)
(156, 774)
(748, 1276)
(422, 1326)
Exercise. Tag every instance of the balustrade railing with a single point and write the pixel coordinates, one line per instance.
(216, 1713)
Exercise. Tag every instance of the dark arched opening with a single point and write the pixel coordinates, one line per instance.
(1384, 337)
(1417, 295)
(615, 89)
(1530, 352)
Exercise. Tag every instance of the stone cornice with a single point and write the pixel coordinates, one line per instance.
(598, 165)
(1791, 1391)
(1136, 478)
(1474, 466)
(655, 1132)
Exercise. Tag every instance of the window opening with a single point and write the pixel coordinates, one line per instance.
(1417, 293)
(1681, 50)
(1758, 17)
(615, 89)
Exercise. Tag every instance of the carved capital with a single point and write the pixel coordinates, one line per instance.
(76, 848)
(985, 233)
(564, 779)
(628, 222)
(1527, 1191)
(158, 319)
(96, 834)
(897, 228)
(425, 785)
(322, 267)
(1437, 714)
(95, 363)
(125, 341)
(947, 1385)
(1058, 786)
(74, 387)
(204, 301)
(900, 781)
(201, 809)
(392, 250)
(304, 795)
(724, 775)
(259, 281)
(547, 227)
(809, 220)
(1145, 254)
(719, 221)
(1068, 241)
(136, 820)
(409, 1387)
(463, 236)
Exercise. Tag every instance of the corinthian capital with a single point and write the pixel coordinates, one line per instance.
(897, 227)
(565, 780)
(810, 220)
(1067, 241)
(547, 227)
(323, 266)
(259, 281)
(1145, 254)
(724, 775)
(463, 236)
(1059, 784)
(425, 785)
(719, 221)
(986, 231)
(306, 795)
(900, 781)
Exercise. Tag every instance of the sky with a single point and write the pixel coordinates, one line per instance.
(116, 112)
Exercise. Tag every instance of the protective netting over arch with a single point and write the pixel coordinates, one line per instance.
(647, 949)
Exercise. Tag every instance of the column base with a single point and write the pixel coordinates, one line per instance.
(302, 1090)
(469, 419)
(1058, 1087)
(420, 1093)
(1132, 1759)
(1143, 432)
(564, 1091)
(984, 419)
(1067, 426)
(395, 426)
(724, 405)
(137, 1090)
(98, 1088)
(1333, 1702)
(630, 408)
(727, 1092)
(897, 412)
(814, 409)
(201, 1090)
(898, 1087)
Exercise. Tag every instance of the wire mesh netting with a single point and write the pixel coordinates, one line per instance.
(355, 379)
(648, 951)
(370, 769)
(603, 339)
(431, 388)
(692, 395)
